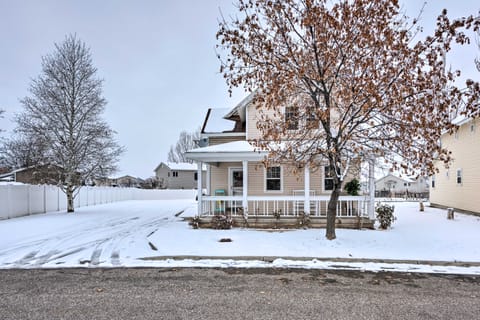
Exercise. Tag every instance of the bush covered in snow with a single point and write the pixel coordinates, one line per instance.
(385, 215)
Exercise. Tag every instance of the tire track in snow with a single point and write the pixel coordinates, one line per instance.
(113, 234)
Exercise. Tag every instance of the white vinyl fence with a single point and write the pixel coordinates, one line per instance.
(23, 200)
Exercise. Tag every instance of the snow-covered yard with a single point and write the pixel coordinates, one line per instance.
(121, 234)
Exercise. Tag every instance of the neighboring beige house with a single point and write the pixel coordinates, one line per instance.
(239, 184)
(395, 186)
(44, 174)
(458, 186)
(172, 175)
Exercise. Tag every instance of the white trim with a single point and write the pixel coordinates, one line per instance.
(245, 188)
(246, 123)
(265, 180)
(226, 134)
(208, 176)
(228, 156)
(306, 205)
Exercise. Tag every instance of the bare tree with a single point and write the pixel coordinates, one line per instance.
(477, 59)
(186, 141)
(1, 116)
(64, 111)
(21, 151)
(345, 80)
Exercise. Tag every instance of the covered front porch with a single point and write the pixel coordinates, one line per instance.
(246, 206)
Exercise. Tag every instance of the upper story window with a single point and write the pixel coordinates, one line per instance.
(433, 181)
(174, 174)
(273, 179)
(291, 118)
(195, 176)
(312, 119)
(459, 176)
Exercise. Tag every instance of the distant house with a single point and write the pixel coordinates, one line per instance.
(128, 182)
(172, 175)
(392, 185)
(124, 182)
(458, 186)
(44, 174)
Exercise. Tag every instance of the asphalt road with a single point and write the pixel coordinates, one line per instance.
(234, 294)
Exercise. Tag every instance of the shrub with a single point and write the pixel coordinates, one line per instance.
(352, 187)
(385, 215)
(221, 221)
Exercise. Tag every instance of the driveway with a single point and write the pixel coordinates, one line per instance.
(92, 235)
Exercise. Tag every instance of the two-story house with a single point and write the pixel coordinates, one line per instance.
(392, 185)
(240, 185)
(458, 185)
(171, 175)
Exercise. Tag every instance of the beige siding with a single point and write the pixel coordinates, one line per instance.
(466, 153)
(257, 179)
(219, 175)
(213, 141)
(185, 179)
(253, 116)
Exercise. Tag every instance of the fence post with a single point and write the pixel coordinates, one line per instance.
(9, 201)
(28, 200)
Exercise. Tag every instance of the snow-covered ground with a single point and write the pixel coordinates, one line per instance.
(125, 233)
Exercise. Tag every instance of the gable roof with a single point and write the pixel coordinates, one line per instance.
(182, 166)
(394, 176)
(220, 120)
(215, 121)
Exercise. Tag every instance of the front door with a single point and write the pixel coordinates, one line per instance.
(235, 182)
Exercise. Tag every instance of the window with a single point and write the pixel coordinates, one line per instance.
(174, 174)
(273, 179)
(472, 126)
(195, 176)
(459, 176)
(291, 118)
(312, 119)
(328, 179)
(433, 181)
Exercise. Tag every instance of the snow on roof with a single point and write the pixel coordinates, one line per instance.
(239, 109)
(183, 166)
(216, 122)
(235, 146)
(461, 119)
(398, 176)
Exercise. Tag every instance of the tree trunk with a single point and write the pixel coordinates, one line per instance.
(332, 211)
(69, 193)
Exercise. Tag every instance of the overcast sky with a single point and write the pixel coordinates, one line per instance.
(157, 58)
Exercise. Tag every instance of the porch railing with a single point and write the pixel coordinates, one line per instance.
(347, 206)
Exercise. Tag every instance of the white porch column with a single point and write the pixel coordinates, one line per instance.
(199, 187)
(208, 180)
(245, 188)
(371, 187)
(306, 205)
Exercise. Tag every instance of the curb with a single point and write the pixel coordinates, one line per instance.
(270, 259)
